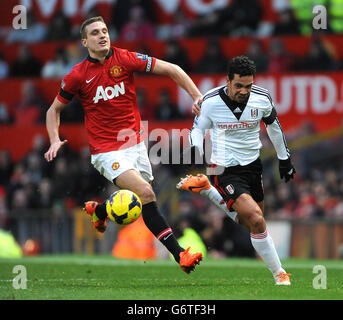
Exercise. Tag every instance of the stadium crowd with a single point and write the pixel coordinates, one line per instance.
(32, 183)
(320, 58)
(136, 20)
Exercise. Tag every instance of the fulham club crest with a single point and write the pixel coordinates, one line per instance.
(230, 189)
(254, 113)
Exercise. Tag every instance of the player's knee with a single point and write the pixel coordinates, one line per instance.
(146, 194)
(256, 221)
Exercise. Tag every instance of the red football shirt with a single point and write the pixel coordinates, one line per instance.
(108, 96)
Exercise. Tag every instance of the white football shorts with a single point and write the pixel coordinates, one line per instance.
(113, 163)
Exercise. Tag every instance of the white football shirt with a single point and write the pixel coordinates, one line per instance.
(235, 129)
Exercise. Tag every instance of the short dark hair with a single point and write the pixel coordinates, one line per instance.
(86, 23)
(242, 66)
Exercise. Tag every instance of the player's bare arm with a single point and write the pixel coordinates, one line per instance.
(182, 79)
(52, 125)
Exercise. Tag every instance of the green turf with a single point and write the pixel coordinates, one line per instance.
(70, 277)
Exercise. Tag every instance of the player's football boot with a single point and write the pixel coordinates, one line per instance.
(282, 279)
(98, 224)
(194, 184)
(188, 260)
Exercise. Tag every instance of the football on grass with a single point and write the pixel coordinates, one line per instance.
(123, 207)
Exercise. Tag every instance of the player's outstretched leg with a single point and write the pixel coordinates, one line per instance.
(98, 213)
(160, 228)
(155, 221)
(200, 184)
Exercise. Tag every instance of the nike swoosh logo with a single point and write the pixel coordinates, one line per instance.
(191, 188)
(88, 81)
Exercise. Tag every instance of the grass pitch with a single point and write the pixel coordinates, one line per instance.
(82, 277)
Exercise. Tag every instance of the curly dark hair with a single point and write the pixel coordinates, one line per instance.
(242, 66)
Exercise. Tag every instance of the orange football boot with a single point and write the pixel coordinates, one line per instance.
(98, 224)
(282, 279)
(194, 184)
(188, 261)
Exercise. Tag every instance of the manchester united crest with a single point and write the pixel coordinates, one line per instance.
(115, 166)
(115, 71)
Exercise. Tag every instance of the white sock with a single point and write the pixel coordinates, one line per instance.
(213, 195)
(264, 246)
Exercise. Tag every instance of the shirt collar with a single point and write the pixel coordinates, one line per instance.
(110, 54)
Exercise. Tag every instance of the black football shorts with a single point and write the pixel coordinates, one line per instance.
(233, 181)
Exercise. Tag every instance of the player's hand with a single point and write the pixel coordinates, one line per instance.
(196, 106)
(52, 152)
(286, 169)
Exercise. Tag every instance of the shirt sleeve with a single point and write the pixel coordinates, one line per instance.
(135, 61)
(70, 86)
(270, 113)
(200, 125)
(274, 129)
(278, 139)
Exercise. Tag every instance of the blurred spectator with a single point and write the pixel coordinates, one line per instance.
(166, 109)
(65, 59)
(34, 161)
(223, 237)
(5, 116)
(35, 31)
(88, 182)
(44, 197)
(20, 199)
(31, 106)
(176, 54)
(6, 168)
(59, 28)
(33, 166)
(3, 208)
(240, 18)
(143, 49)
(287, 25)
(122, 11)
(213, 60)
(145, 110)
(26, 65)
(59, 66)
(137, 27)
(256, 53)
(280, 59)
(177, 29)
(4, 68)
(39, 146)
(64, 182)
(206, 25)
(319, 58)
